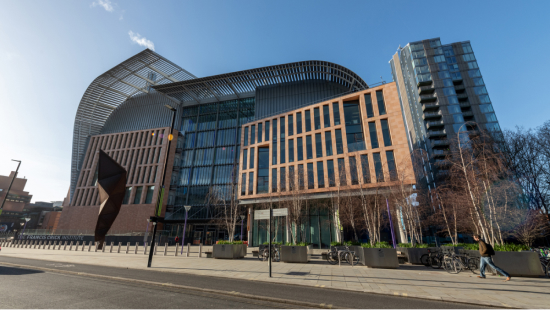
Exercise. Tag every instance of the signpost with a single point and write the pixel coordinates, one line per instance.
(267, 215)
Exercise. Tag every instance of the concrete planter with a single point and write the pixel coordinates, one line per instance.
(296, 254)
(519, 264)
(229, 251)
(413, 254)
(379, 258)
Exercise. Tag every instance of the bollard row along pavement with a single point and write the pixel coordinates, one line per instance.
(42, 244)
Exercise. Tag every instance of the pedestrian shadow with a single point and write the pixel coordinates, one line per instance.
(12, 271)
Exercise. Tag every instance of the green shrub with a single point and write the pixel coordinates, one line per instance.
(404, 245)
(273, 243)
(334, 243)
(416, 246)
(378, 245)
(510, 247)
(350, 243)
(227, 242)
(299, 244)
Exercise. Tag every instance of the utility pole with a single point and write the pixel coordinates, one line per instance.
(11, 183)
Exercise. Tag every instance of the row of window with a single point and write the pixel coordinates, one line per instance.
(352, 116)
(355, 142)
(296, 177)
(149, 190)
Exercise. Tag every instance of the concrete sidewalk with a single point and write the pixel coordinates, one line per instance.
(411, 281)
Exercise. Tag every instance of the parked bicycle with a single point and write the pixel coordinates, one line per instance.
(275, 254)
(432, 259)
(334, 256)
(455, 263)
(544, 258)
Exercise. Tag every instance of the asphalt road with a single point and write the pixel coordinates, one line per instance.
(106, 287)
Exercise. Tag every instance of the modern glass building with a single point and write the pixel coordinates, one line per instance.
(442, 92)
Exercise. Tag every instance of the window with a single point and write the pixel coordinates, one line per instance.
(251, 158)
(368, 105)
(353, 171)
(468, 57)
(243, 185)
(456, 76)
(250, 183)
(474, 73)
(260, 125)
(317, 118)
(299, 122)
(149, 196)
(381, 104)
(491, 117)
(492, 126)
(330, 171)
(391, 165)
(263, 171)
(458, 118)
(439, 58)
(137, 198)
(386, 132)
(480, 90)
(472, 65)
(291, 150)
(320, 175)
(478, 82)
(336, 113)
(449, 51)
(484, 99)
(454, 109)
(420, 70)
(342, 171)
(274, 135)
(452, 100)
(443, 74)
(291, 178)
(318, 145)
(420, 62)
(245, 158)
(416, 47)
(448, 83)
(309, 148)
(418, 54)
(127, 194)
(301, 178)
(435, 43)
(424, 77)
(245, 136)
(453, 67)
(459, 127)
(300, 149)
(282, 157)
(378, 167)
(451, 60)
(274, 180)
(282, 179)
(253, 134)
(310, 176)
(266, 131)
(290, 125)
(449, 91)
(373, 135)
(442, 66)
(328, 143)
(354, 128)
(308, 120)
(274, 153)
(365, 169)
(339, 144)
(485, 108)
(326, 116)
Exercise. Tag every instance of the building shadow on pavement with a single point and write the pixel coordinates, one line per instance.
(11, 271)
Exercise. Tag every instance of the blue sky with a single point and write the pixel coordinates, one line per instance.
(50, 51)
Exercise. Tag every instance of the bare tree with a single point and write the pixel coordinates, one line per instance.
(534, 225)
(296, 202)
(224, 200)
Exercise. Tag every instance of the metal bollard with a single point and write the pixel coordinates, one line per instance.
(49, 244)
(200, 249)
(77, 244)
(156, 247)
(127, 247)
(137, 247)
(165, 248)
(103, 247)
(64, 246)
(177, 246)
(188, 249)
(71, 246)
(84, 245)
(145, 248)
(119, 245)
(111, 249)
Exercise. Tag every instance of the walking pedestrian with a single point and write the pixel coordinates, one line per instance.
(486, 251)
(177, 239)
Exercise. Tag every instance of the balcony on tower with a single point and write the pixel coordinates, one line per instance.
(434, 124)
(435, 134)
(432, 115)
(427, 98)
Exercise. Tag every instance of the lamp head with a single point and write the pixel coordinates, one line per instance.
(169, 107)
(242, 217)
(187, 208)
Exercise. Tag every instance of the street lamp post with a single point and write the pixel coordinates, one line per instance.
(187, 208)
(155, 218)
(11, 183)
(242, 225)
(26, 221)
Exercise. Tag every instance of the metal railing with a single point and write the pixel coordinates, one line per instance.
(84, 232)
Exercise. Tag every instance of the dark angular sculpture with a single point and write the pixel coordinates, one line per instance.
(111, 181)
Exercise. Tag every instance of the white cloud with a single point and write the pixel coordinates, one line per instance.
(137, 38)
(106, 4)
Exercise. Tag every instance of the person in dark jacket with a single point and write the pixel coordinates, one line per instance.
(486, 251)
